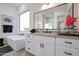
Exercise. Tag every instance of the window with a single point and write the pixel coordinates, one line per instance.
(25, 22)
(48, 26)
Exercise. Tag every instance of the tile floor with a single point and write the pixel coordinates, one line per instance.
(21, 52)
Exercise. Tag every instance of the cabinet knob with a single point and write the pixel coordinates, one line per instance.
(68, 42)
(68, 53)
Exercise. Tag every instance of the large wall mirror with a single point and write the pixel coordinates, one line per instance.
(53, 18)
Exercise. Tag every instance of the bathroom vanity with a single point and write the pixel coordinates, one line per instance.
(40, 45)
(52, 45)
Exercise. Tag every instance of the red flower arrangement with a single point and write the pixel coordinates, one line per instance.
(70, 20)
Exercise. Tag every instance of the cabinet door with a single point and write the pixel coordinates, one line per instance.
(48, 49)
(37, 48)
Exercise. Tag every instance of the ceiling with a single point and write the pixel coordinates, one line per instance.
(17, 5)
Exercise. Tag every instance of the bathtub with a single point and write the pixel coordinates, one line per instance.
(17, 42)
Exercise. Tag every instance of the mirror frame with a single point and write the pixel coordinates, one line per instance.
(51, 8)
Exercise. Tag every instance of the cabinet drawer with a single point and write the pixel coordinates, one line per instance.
(46, 39)
(28, 41)
(68, 42)
(50, 39)
(29, 36)
(29, 45)
(28, 49)
(66, 51)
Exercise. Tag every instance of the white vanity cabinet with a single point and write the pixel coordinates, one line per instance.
(43, 46)
(52, 46)
(40, 45)
(67, 47)
(29, 44)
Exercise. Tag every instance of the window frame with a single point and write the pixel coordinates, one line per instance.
(20, 22)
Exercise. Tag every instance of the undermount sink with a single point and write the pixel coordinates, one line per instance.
(69, 34)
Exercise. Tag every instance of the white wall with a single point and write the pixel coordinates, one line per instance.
(10, 11)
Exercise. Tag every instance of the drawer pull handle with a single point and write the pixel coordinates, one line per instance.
(28, 48)
(68, 53)
(68, 42)
(28, 36)
(40, 45)
(28, 41)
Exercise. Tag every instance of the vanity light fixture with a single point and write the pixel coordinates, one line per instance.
(49, 5)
